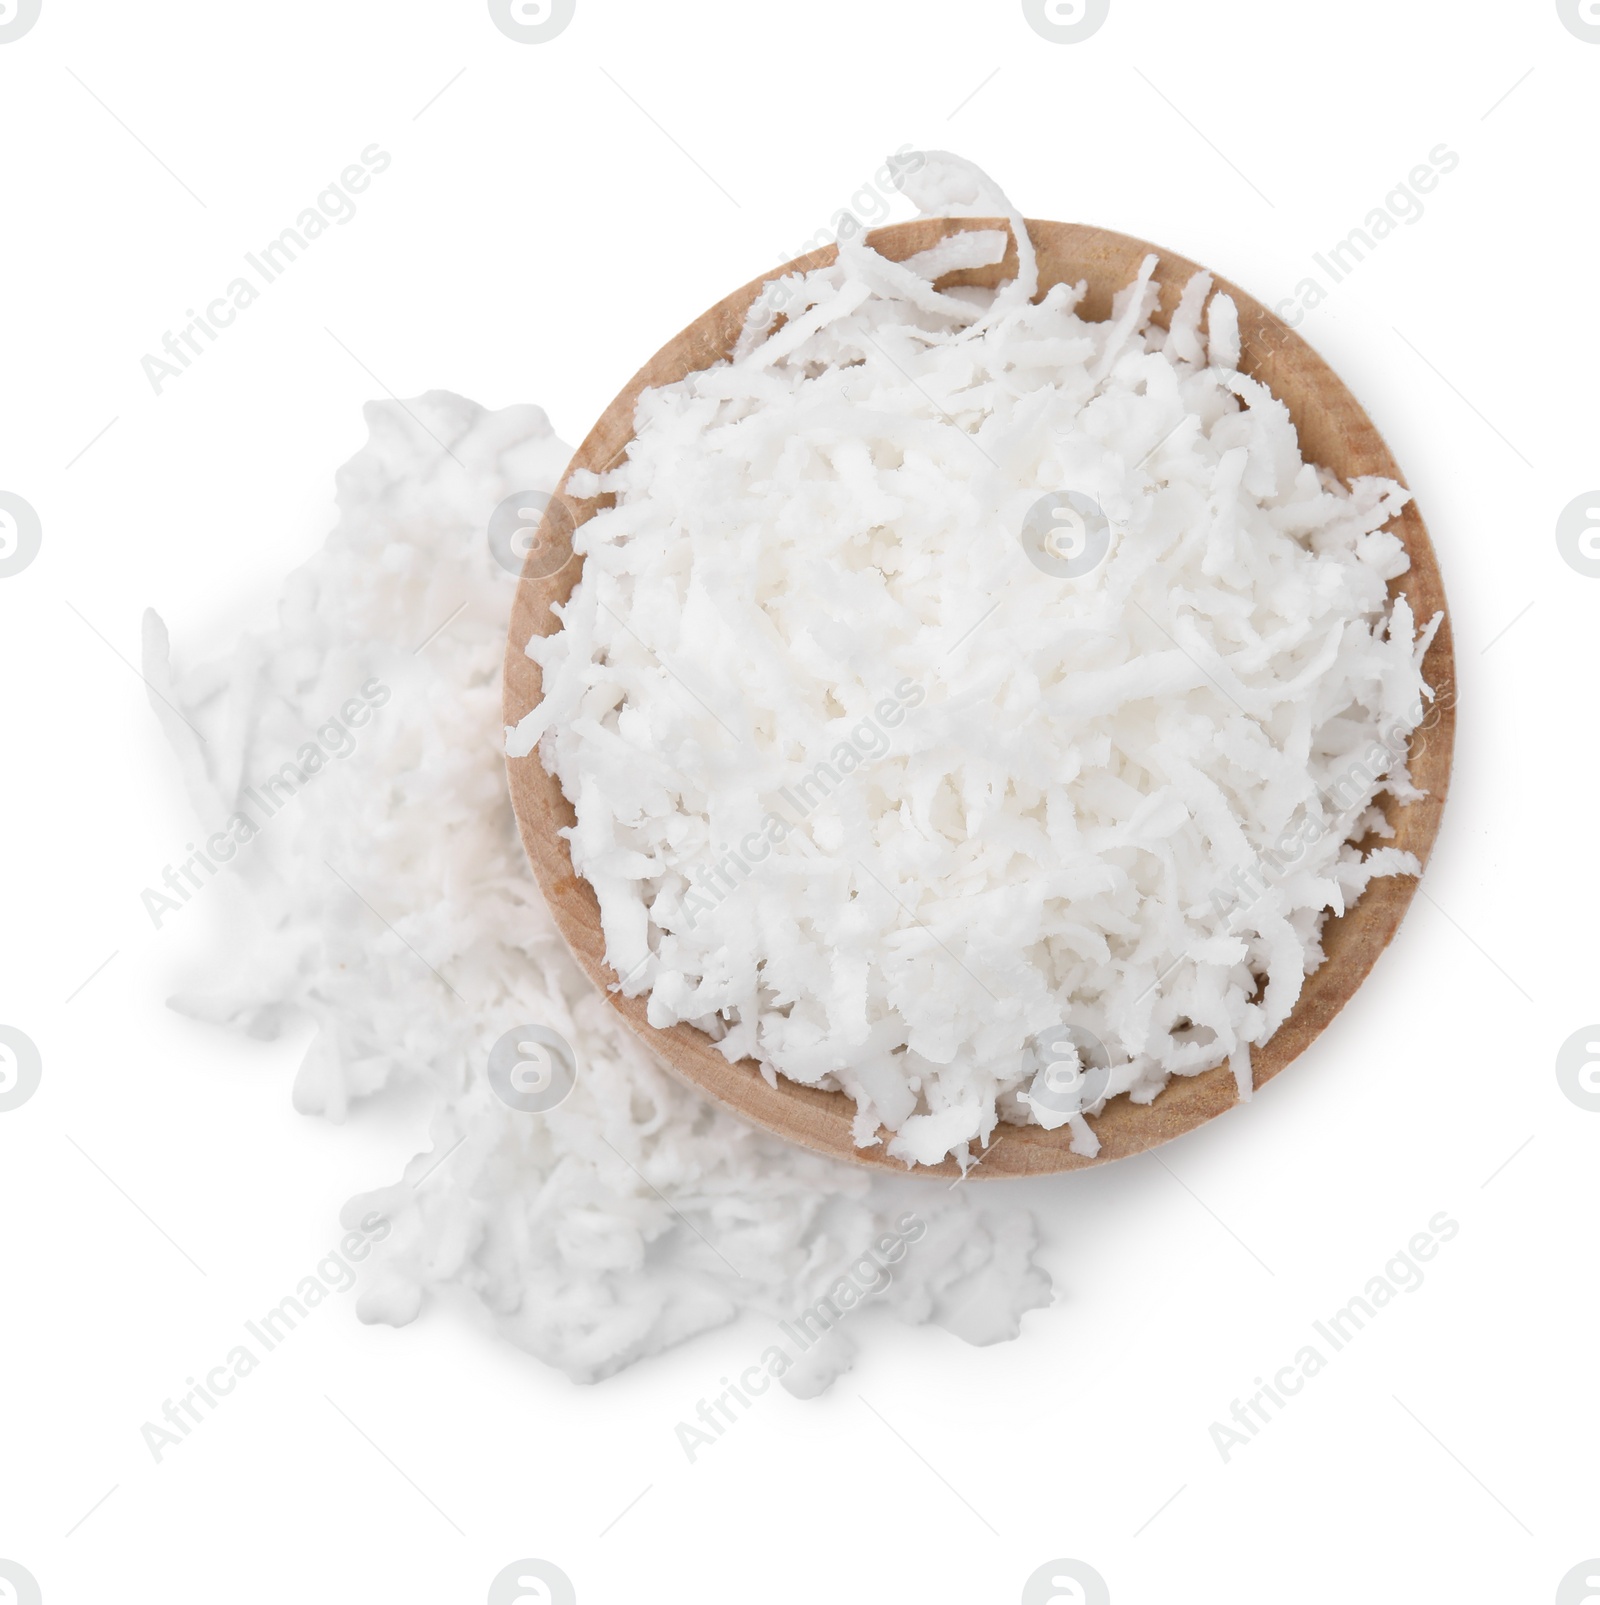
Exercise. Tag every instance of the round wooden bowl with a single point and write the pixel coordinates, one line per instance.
(1334, 431)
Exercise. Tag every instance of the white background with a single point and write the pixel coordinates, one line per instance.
(549, 219)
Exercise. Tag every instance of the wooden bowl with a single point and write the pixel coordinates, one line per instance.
(1333, 431)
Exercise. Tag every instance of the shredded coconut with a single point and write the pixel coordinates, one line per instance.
(883, 784)
(388, 904)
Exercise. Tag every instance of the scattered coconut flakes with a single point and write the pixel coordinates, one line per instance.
(634, 1215)
(866, 795)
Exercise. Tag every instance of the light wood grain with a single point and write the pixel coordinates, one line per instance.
(1334, 431)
